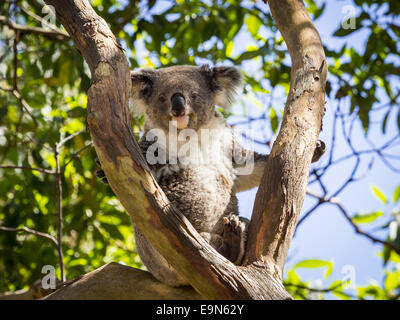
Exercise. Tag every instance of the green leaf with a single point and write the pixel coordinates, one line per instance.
(77, 112)
(386, 255)
(392, 280)
(364, 114)
(381, 196)
(366, 217)
(396, 194)
(313, 9)
(384, 122)
(293, 277)
(398, 120)
(274, 120)
(78, 262)
(3, 111)
(341, 295)
(113, 231)
(253, 24)
(229, 49)
(316, 263)
(319, 11)
(394, 257)
(342, 32)
(336, 285)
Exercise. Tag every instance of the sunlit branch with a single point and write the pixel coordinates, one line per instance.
(50, 33)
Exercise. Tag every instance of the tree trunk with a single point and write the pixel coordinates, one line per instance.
(282, 190)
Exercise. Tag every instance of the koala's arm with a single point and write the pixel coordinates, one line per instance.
(249, 166)
(243, 157)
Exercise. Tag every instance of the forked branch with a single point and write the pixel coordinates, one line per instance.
(280, 200)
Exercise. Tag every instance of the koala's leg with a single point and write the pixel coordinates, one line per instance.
(156, 263)
(252, 180)
(234, 237)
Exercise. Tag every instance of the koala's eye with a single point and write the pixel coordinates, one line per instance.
(146, 91)
(193, 95)
(162, 98)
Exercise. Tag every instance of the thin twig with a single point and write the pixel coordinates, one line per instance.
(28, 168)
(63, 141)
(59, 210)
(321, 290)
(77, 154)
(31, 231)
(335, 202)
(22, 101)
(25, 105)
(42, 21)
(308, 213)
(15, 60)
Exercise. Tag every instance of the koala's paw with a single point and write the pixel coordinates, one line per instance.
(100, 173)
(320, 149)
(233, 238)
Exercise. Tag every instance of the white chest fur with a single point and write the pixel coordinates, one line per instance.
(207, 151)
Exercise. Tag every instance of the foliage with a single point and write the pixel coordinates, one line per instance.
(345, 288)
(43, 84)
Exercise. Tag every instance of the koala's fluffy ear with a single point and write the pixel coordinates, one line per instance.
(142, 88)
(225, 82)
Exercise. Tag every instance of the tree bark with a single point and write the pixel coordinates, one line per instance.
(282, 190)
(283, 187)
(35, 291)
(115, 281)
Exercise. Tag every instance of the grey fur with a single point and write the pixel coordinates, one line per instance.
(204, 193)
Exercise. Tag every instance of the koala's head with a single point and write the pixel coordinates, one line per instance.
(185, 95)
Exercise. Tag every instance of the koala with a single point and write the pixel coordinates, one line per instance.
(179, 104)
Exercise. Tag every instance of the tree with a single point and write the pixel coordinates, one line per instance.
(277, 160)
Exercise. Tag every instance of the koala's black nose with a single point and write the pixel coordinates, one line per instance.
(178, 105)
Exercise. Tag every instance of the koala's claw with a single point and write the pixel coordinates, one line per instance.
(319, 151)
(100, 173)
(232, 224)
(233, 238)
